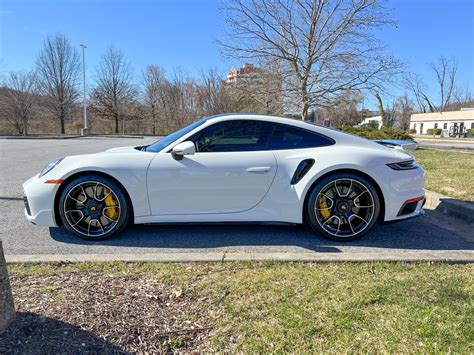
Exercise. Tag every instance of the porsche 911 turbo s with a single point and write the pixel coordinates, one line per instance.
(232, 168)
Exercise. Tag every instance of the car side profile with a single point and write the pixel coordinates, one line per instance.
(232, 168)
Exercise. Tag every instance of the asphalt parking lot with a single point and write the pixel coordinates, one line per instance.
(21, 159)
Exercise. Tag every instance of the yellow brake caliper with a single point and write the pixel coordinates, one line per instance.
(324, 210)
(110, 201)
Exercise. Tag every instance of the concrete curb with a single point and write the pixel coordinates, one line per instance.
(455, 257)
(77, 136)
(450, 206)
(41, 137)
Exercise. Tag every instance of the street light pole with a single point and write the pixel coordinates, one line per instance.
(85, 130)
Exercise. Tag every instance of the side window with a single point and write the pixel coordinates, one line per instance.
(289, 137)
(233, 136)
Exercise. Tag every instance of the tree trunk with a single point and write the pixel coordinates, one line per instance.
(25, 127)
(304, 110)
(116, 124)
(63, 131)
(7, 308)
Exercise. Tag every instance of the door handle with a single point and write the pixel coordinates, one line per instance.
(259, 169)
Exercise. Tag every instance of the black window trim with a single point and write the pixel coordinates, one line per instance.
(275, 124)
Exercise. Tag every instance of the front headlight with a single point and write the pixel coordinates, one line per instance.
(50, 167)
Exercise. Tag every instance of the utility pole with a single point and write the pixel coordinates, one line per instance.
(85, 130)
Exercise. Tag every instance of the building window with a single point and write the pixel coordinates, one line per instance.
(436, 125)
(472, 125)
(445, 126)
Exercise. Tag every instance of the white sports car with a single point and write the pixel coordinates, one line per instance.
(232, 168)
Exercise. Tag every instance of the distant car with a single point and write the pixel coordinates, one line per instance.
(232, 168)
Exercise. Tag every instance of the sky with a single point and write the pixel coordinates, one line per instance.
(182, 34)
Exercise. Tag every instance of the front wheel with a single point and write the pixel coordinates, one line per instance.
(93, 207)
(343, 207)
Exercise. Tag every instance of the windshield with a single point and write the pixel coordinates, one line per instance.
(164, 142)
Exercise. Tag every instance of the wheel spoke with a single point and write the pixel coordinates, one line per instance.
(330, 219)
(356, 204)
(352, 217)
(326, 208)
(89, 227)
(77, 200)
(100, 225)
(79, 220)
(339, 192)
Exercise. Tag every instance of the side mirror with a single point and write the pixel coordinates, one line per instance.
(182, 149)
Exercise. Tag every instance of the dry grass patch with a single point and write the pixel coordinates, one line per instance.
(249, 307)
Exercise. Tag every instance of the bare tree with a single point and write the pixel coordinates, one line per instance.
(212, 96)
(153, 83)
(258, 91)
(415, 85)
(323, 47)
(404, 107)
(114, 88)
(58, 69)
(343, 110)
(462, 97)
(20, 98)
(445, 70)
(388, 113)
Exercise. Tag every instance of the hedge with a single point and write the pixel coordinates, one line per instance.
(434, 131)
(383, 133)
(470, 131)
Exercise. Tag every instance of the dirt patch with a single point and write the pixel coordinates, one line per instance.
(103, 313)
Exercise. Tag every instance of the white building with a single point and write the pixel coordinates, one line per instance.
(372, 120)
(451, 122)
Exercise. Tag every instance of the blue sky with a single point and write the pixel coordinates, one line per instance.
(182, 33)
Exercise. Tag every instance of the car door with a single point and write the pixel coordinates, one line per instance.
(231, 171)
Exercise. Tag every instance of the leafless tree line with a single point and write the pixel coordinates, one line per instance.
(317, 58)
(156, 103)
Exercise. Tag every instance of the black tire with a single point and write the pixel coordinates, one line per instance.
(340, 212)
(82, 209)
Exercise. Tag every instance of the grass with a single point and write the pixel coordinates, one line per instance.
(448, 172)
(297, 307)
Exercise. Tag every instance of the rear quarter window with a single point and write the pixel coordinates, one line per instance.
(289, 137)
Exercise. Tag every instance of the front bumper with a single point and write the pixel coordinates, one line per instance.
(39, 202)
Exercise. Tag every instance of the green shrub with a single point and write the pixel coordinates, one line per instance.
(383, 133)
(470, 131)
(412, 131)
(434, 131)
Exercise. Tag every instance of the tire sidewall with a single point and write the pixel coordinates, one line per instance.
(312, 221)
(124, 209)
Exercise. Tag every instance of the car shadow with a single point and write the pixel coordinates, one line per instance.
(413, 234)
(32, 333)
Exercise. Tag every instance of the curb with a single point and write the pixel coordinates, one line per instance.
(452, 257)
(76, 136)
(39, 137)
(450, 206)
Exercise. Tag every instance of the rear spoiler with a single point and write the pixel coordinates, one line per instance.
(407, 146)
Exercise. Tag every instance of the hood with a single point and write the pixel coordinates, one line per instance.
(129, 149)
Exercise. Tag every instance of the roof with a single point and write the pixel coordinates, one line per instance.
(444, 116)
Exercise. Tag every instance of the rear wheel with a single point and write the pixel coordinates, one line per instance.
(343, 207)
(93, 207)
